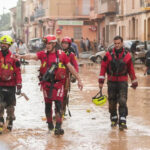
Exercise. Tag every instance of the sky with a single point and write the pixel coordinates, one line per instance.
(7, 4)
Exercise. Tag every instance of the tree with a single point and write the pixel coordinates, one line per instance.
(5, 22)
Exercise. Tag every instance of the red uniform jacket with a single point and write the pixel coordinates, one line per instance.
(105, 67)
(73, 61)
(46, 61)
(10, 72)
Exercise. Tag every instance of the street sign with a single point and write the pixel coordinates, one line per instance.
(70, 22)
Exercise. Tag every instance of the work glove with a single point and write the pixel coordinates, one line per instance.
(19, 86)
(101, 81)
(134, 85)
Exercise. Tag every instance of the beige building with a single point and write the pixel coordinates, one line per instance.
(63, 18)
(133, 19)
(104, 14)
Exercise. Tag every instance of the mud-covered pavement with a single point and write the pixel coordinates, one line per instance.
(89, 127)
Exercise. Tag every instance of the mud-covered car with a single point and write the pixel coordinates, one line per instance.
(140, 53)
(35, 44)
(97, 58)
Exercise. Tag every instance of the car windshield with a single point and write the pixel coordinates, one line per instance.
(35, 41)
(128, 44)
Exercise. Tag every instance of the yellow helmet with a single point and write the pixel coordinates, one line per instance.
(99, 99)
(6, 39)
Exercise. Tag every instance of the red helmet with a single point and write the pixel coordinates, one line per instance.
(49, 39)
(66, 39)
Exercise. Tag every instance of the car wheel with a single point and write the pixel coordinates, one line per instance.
(98, 59)
(93, 59)
(143, 60)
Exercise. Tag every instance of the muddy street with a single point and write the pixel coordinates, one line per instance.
(89, 127)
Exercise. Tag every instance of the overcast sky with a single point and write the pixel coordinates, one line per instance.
(7, 4)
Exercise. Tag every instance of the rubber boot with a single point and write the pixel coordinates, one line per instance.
(114, 121)
(58, 129)
(50, 126)
(122, 123)
(10, 125)
(1, 124)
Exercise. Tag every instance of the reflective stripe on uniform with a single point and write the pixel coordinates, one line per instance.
(60, 65)
(114, 117)
(133, 81)
(123, 118)
(44, 64)
(101, 77)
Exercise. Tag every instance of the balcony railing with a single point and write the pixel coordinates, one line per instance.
(145, 3)
(39, 13)
(108, 6)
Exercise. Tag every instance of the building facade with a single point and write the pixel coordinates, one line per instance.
(104, 14)
(65, 18)
(133, 20)
(98, 20)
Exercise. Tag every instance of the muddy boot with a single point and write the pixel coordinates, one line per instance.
(114, 121)
(58, 129)
(122, 126)
(122, 123)
(50, 126)
(1, 124)
(10, 125)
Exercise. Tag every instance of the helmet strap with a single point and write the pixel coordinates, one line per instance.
(4, 52)
(53, 47)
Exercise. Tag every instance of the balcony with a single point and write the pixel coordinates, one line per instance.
(39, 12)
(145, 4)
(107, 6)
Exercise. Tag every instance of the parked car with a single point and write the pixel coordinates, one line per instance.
(35, 44)
(97, 58)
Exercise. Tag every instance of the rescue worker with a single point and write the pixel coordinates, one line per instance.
(66, 46)
(53, 76)
(10, 79)
(117, 63)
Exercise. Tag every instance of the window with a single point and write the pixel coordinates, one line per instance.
(77, 32)
(86, 7)
(107, 33)
(35, 33)
(44, 30)
(132, 4)
(141, 3)
(103, 1)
